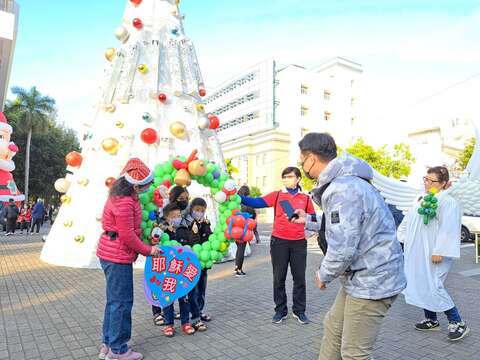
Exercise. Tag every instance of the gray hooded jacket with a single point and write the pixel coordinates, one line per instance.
(363, 249)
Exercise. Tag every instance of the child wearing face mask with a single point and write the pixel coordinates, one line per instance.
(171, 224)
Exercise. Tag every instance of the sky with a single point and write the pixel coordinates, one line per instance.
(416, 54)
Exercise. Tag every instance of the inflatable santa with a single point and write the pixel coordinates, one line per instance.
(8, 189)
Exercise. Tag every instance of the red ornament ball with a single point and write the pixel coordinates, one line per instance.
(137, 23)
(136, 2)
(202, 92)
(162, 97)
(214, 122)
(74, 159)
(109, 182)
(149, 136)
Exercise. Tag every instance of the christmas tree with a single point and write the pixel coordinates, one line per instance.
(151, 108)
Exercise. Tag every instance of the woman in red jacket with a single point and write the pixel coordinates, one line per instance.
(118, 248)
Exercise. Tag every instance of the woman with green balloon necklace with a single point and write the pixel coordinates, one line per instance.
(431, 234)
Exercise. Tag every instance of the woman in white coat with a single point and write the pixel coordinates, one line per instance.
(429, 252)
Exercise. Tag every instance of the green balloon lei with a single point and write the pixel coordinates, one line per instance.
(429, 206)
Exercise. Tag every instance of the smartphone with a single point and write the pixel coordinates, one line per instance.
(287, 207)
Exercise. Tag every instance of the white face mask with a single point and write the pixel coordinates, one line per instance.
(290, 183)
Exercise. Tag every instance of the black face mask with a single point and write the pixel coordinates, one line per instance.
(183, 204)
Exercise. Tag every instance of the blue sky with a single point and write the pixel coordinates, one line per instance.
(409, 49)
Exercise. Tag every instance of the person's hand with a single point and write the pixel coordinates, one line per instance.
(302, 217)
(320, 284)
(155, 251)
(437, 259)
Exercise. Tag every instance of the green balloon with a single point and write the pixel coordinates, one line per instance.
(197, 248)
(174, 173)
(144, 198)
(210, 167)
(165, 237)
(207, 246)
(147, 232)
(214, 184)
(421, 211)
(215, 243)
(150, 223)
(208, 265)
(158, 171)
(228, 213)
(434, 200)
(144, 215)
(158, 181)
(212, 237)
(214, 255)
(167, 167)
(433, 213)
(167, 177)
(209, 178)
(151, 207)
(143, 225)
(175, 243)
(205, 255)
(232, 205)
(221, 238)
(203, 264)
(223, 177)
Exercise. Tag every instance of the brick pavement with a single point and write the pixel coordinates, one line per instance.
(56, 313)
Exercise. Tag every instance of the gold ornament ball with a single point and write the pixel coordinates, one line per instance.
(62, 185)
(178, 129)
(143, 68)
(65, 199)
(83, 181)
(110, 108)
(200, 108)
(80, 238)
(110, 54)
(110, 145)
(68, 223)
(119, 124)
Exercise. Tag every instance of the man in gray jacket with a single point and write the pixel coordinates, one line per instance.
(363, 250)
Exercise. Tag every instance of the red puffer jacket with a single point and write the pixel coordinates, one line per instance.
(122, 215)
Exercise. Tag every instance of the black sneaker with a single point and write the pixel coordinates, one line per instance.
(238, 273)
(301, 318)
(278, 318)
(457, 331)
(428, 325)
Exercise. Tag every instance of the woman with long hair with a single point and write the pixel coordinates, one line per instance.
(118, 248)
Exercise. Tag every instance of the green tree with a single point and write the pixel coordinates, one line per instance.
(231, 169)
(466, 153)
(396, 165)
(33, 113)
(306, 183)
(255, 191)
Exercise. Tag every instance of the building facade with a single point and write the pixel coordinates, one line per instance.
(266, 110)
(8, 34)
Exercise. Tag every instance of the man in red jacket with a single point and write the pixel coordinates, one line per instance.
(118, 248)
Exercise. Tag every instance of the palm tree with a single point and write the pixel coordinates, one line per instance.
(33, 112)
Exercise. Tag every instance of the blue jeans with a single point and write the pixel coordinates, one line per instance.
(201, 290)
(453, 315)
(117, 321)
(193, 305)
(168, 315)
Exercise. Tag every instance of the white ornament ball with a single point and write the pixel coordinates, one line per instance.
(220, 197)
(62, 185)
(122, 34)
(229, 185)
(203, 123)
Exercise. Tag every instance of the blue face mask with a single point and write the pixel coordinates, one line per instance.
(198, 215)
(176, 222)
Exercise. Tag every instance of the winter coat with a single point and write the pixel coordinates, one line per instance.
(25, 215)
(121, 221)
(38, 211)
(12, 211)
(363, 249)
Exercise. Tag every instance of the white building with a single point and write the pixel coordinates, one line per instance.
(8, 33)
(266, 110)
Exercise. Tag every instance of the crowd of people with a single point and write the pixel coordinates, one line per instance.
(357, 232)
(25, 217)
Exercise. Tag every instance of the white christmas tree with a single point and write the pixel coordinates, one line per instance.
(151, 108)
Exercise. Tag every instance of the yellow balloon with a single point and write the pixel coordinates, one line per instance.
(178, 129)
(110, 145)
(223, 247)
(110, 54)
(143, 68)
(200, 108)
(66, 199)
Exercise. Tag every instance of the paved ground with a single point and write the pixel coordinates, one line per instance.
(55, 313)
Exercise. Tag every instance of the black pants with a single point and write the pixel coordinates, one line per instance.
(37, 223)
(283, 253)
(240, 255)
(257, 236)
(11, 225)
(25, 226)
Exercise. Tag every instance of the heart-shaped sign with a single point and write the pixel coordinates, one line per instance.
(171, 275)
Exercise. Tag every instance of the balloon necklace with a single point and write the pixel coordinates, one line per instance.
(428, 207)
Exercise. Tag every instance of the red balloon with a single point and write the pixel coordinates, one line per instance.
(214, 122)
(202, 92)
(248, 236)
(239, 221)
(137, 23)
(74, 159)
(136, 2)
(177, 164)
(167, 184)
(109, 182)
(226, 234)
(149, 136)
(229, 220)
(236, 233)
(251, 224)
(162, 97)
(235, 211)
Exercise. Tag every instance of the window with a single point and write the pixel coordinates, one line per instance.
(304, 132)
(326, 95)
(239, 120)
(257, 181)
(232, 86)
(352, 83)
(352, 101)
(257, 160)
(237, 102)
(304, 89)
(303, 110)
(264, 183)
(352, 121)
(264, 159)
(327, 115)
